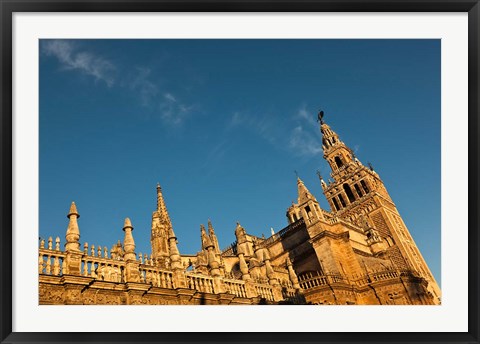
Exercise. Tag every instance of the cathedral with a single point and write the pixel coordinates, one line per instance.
(357, 253)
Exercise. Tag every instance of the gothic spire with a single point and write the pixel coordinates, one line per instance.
(162, 208)
(303, 194)
(213, 237)
(206, 242)
(322, 182)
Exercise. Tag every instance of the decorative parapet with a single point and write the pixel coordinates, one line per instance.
(290, 228)
(98, 266)
(316, 279)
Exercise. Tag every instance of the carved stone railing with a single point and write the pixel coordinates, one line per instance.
(315, 279)
(312, 280)
(201, 283)
(99, 264)
(155, 276)
(235, 287)
(103, 269)
(51, 262)
(265, 291)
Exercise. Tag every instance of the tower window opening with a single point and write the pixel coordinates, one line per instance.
(338, 161)
(335, 203)
(349, 192)
(308, 211)
(342, 200)
(359, 192)
(364, 186)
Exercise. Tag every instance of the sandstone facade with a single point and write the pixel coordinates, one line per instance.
(359, 252)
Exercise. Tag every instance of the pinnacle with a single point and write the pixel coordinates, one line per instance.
(127, 223)
(73, 210)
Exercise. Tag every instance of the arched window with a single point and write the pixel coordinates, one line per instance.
(335, 203)
(338, 161)
(342, 200)
(364, 186)
(349, 192)
(359, 192)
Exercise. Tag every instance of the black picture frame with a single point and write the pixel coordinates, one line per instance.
(9, 7)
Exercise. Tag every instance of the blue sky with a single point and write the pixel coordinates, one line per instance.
(223, 125)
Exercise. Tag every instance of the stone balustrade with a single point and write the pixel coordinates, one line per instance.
(235, 287)
(100, 264)
(264, 291)
(315, 279)
(157, 277)
(201, 283)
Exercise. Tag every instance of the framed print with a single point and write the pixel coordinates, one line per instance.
(201, 171)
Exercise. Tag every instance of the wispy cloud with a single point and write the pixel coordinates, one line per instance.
(151, 95)
(71, 57)
(307, 116)
(263, 124)
(172, 110)
(142, 84)
(161, 103)
(214, 158)
(305, 139)
(304, 142)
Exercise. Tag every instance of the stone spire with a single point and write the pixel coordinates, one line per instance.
(206, 242)
(303, 194)
(73, 232)
(160, 228)
(322, 182)
(213, 237)
(162, 208)
(128, 242)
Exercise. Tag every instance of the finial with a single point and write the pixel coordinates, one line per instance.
(296, 173)
(73, 210)
(319, 175)
(127, 224)
(320, 117)
(370, 166)
(158, 186)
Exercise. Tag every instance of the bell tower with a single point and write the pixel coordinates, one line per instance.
(357, 194)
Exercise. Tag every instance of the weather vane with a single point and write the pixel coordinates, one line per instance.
(320, 117)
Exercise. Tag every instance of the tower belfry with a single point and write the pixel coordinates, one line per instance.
(357, 193)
